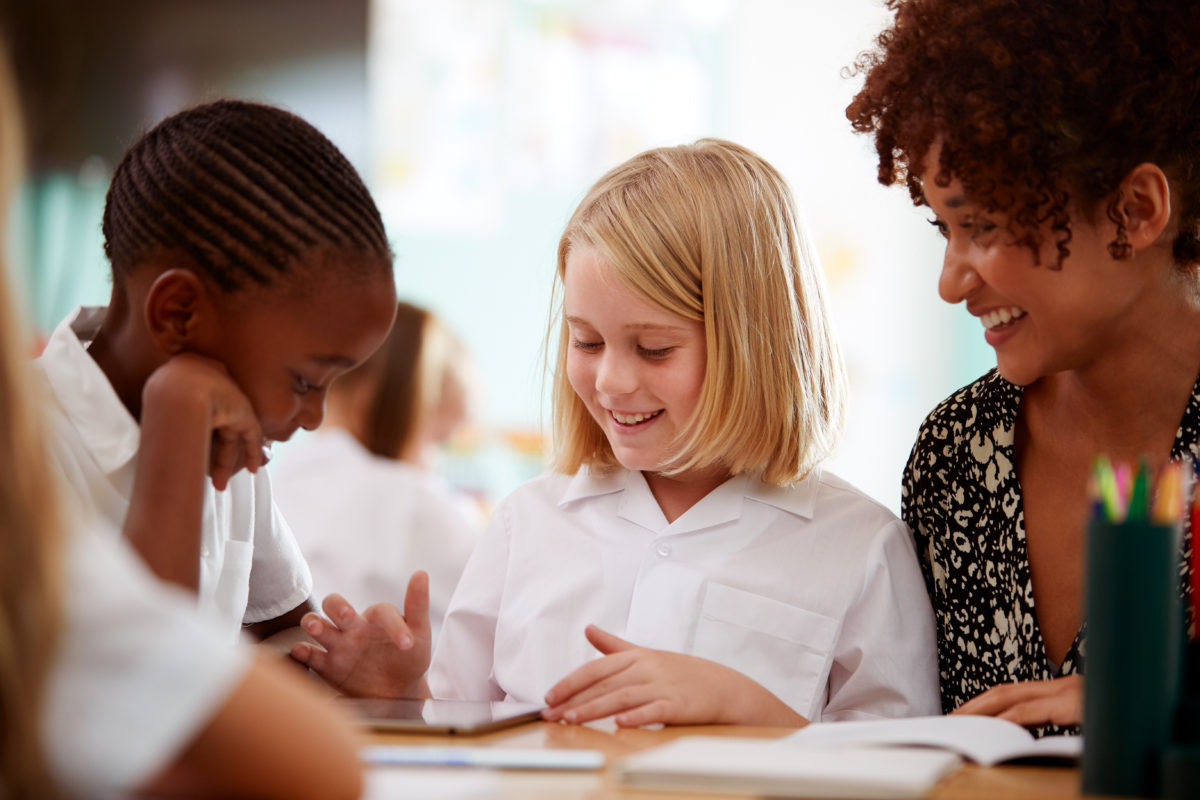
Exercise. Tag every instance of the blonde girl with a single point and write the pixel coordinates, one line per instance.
(688, 560)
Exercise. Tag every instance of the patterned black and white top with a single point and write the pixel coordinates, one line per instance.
(962, 499)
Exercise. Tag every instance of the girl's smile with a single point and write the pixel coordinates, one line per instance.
(628, 420)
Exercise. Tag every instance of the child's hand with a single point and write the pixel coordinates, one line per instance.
(196, 424)
(190, 389)
(1031, 703)
(643, 687)
(381, 653)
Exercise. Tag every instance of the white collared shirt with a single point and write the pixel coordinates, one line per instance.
(813, 591)
(251, 569)
(365, 523)
(137, 672)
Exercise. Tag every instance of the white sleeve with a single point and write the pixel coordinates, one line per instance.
(138, 671)
(464, 657)
(279, 576)
(885, 663)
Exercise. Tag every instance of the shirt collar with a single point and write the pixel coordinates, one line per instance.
(724, 504)
(84, 393)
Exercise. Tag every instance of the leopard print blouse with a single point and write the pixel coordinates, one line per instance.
(962, 500)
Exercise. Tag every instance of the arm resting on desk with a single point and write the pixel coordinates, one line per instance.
(643, 687)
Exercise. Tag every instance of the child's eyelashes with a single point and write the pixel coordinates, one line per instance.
(587, 347)
(300, 385)
(655, 353)
(652, 353)
(941, 227)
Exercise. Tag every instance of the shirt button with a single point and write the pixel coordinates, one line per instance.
(663, 549)
(203, 551)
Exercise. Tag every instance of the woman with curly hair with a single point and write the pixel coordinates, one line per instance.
(1058, 146)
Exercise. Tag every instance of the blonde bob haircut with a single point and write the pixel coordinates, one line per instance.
(709, 232)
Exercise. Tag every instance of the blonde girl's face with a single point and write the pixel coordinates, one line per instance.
(637, 368)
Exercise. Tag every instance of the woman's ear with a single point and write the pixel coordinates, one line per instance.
(175, 306)
(1144, 205)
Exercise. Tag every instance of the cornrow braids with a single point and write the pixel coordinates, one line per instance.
(243, 190)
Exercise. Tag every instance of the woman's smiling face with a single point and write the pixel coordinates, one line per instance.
(1040, 316)
(637, 368)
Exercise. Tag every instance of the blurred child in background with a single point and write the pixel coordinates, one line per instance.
(363, 494)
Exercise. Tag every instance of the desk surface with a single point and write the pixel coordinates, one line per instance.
(969, 783)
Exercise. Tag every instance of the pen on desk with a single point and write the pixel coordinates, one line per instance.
(488, 757)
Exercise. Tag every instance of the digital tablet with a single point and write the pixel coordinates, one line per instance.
(441, 716)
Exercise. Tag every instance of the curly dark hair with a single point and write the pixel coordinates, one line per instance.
(244, 190)
(1034, 101)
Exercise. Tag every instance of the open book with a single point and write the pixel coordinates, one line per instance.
(984, 740)
(781, 768)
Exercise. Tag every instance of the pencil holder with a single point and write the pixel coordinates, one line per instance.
(1134, 634)
(1181, 763)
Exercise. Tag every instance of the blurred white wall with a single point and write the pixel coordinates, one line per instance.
(490, 119)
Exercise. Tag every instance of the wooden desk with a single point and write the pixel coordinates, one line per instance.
(969, 783)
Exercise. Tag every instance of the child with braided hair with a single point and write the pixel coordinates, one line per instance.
(250, 268)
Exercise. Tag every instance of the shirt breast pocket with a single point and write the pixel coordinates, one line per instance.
(785, 648)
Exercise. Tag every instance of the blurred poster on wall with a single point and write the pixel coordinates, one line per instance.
(475, 103)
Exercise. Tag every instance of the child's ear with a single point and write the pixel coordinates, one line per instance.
(1144, 205)
(175, 306)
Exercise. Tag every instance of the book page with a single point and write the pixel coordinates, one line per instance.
(984, 740)
(778, 769)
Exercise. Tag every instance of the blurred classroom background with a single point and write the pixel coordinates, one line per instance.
(479, 124)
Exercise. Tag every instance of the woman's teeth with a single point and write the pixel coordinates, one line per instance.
(633, 419)
(1001, 316)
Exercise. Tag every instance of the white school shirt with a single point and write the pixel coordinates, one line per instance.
(251, 568)
(365, 523)
(813, 591)
(137, 673)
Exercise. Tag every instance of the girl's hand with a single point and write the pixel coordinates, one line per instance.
(643, 687)
(381, 653)
(1031, 703)
(189, 390)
